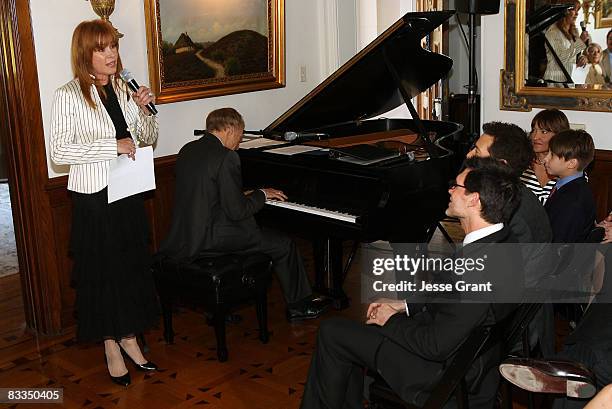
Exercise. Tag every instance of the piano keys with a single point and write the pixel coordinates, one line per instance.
(350, 189)
(317, 211)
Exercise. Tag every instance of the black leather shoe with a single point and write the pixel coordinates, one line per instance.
(146, 367)
(123, 380)
(322, 301)
(563, 377)
(308, 310)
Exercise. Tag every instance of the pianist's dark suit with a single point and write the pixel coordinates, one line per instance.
(409, 352)
(213, 216)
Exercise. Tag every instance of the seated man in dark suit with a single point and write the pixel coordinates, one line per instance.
(410, 345)
(570, 206)
(510, 144)
(212, 215)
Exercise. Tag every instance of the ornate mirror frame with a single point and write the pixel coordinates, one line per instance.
(515, 96)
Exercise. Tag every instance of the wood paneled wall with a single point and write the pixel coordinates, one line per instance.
(160, 205)
(600, 179)
(21, 129)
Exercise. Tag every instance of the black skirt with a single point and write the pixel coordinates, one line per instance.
(115, 291)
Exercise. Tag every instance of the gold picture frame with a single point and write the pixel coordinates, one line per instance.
(603, 13)
(516, 96)
(184, 69)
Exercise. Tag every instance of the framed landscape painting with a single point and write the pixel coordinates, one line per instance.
(206, 48)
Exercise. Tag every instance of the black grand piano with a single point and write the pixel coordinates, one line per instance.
(365, 179)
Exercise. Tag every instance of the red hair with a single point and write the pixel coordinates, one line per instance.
(90, 36)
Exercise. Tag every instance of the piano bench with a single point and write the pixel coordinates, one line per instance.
(218, 284)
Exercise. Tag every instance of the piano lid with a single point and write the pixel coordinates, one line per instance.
(364, 87)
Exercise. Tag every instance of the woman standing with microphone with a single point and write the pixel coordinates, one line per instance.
(94, 119)
(567, 44)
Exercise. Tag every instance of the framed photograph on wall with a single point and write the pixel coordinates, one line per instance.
(206, 48)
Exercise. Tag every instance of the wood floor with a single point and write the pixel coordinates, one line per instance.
(267, 376)
(256, 375)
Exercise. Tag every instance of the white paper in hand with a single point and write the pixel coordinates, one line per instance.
(127, 177)
(579, 74)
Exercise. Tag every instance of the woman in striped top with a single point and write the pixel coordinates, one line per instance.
(544, 125)
(94, 119)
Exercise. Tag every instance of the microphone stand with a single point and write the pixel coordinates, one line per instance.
(472, 85)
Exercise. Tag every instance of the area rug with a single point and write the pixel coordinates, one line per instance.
(8, 250)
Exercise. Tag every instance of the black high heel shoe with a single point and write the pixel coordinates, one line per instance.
(123, 380)
(146, 367)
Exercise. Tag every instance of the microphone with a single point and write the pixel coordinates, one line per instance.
(583, 27)
(133, 85)
(292, 136)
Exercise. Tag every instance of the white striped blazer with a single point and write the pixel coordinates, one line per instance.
(567, 51)
(84, 138)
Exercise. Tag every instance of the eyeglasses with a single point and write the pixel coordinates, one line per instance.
(453, 185)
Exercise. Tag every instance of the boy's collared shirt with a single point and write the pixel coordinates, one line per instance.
(565, 180)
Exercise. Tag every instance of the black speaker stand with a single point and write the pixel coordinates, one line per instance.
(473, 131)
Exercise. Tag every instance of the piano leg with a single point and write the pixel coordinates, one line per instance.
(329, 276)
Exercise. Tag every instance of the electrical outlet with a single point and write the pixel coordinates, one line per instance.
(302, 73)
(578, 127)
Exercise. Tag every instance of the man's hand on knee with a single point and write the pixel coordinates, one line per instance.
(380, 312)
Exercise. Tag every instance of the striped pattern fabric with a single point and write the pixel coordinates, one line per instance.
(567, 51)
(84, 138)
(530, 180)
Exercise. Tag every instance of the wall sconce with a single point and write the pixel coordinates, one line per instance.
(104, 8)
(586, 11)
(593, 7)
